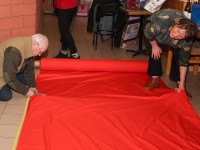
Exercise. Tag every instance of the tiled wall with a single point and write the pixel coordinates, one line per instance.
(17, 18)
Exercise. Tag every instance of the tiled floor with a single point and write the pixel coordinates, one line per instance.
(11, 112)
(10, 117)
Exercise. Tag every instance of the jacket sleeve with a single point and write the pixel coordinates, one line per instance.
(29, 73)
(12, 60)
(184, 52)
(152, 30)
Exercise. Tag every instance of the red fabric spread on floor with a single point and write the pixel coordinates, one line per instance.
(102, 105)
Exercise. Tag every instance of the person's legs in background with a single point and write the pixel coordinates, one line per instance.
(65, 17)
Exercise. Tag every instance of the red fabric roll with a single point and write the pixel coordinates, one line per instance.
(51, 64)
(85, 106)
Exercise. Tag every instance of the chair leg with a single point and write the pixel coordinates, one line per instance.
(111, 42)
(94, 34)
(96, 37)
(112, 39)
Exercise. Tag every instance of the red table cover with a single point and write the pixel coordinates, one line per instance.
(102, 105)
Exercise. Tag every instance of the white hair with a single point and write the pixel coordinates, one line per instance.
(41, 39)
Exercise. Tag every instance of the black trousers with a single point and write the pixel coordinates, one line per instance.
(155, 66)
(65, 17)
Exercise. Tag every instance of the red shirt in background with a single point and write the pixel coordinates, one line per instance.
(65, 4)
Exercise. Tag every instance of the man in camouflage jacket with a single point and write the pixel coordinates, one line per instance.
(169, 27)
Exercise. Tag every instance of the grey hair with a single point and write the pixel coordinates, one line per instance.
(41, 39)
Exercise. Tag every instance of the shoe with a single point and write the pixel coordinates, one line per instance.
(61, 55)
(186, 92)
(154, 83)
(72, 57)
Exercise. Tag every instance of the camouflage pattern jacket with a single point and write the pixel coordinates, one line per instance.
(158, 29)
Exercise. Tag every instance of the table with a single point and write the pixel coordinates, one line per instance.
(141, 13)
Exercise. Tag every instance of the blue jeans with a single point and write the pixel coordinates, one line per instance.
(5, 91)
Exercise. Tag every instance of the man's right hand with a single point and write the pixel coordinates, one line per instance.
(156, 52)
(30, 92)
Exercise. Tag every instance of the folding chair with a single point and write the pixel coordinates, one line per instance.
(104, 22)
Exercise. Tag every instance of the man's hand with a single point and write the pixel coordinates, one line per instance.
(30, 92)
(180, 86)
(34, 90)
(156, 52)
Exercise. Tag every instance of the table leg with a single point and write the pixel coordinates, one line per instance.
(140, 50)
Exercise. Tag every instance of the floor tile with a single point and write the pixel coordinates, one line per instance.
(14, 109)
(8, 131)
(2, 106)
(18, 100)
(11, 119)
(6, 143)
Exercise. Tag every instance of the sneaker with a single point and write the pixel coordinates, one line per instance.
(72, 57)
(153, 83)
(61, 55)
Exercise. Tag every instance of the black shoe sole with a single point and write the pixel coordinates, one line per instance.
(61, 55)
